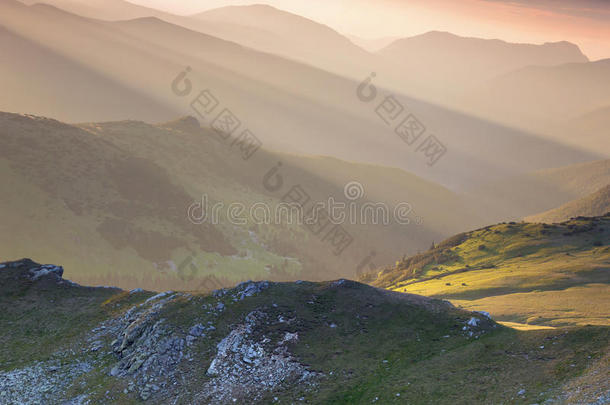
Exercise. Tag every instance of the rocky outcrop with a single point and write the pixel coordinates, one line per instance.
(148, 350)
(246, 367)
(47, 270)
(40, 383)
(27, 268)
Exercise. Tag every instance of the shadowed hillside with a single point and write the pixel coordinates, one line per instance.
(117, 195)
(79, 197)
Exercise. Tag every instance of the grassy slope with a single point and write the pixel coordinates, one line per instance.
(594, 204)
(109, 201)
(384, 344)
(38, 318)
(527, 273)
(79, 200)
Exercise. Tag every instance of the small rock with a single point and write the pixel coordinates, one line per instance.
(47, 269)
(290, 338)
(197, 330)
(160, 295)
(190, 339)
(115, 371)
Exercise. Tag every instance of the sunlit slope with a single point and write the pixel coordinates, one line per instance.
(520, 272)
(594, 204)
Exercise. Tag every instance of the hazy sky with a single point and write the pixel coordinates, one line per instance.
(585, 22)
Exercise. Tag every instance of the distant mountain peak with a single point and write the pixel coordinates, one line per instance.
(436, 33)
(256, 6)
(149, 19)
(449, 36)
(450, 58)
(261, 14)
(250, 7)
